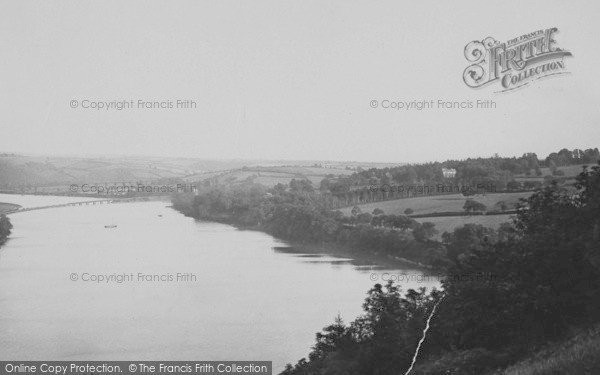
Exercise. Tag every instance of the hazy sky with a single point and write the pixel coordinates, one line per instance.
(286, 80)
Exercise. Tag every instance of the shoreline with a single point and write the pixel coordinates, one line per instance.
(357, 257)
(6, 207)
(336, 250)
(360, 259)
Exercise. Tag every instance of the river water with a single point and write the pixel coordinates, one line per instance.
(241, 295)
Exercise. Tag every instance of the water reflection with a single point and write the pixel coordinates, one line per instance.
(254, 297)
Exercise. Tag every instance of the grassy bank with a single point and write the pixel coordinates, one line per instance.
(578, 355)
(360, 256)
(450, 223)
(439, 203)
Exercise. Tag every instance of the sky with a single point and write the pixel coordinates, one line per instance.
(291, 80)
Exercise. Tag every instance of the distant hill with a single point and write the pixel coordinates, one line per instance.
(51, 174)
(271, 176)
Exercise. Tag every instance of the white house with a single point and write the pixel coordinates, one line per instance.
(449, 172)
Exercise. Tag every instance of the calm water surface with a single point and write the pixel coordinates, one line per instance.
(249, 301)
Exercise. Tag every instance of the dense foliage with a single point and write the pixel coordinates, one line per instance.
(490, 174)
(505, 293)
(300, 214)
(5, 227)
(381, 341)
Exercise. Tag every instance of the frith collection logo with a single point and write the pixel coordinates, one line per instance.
(516, 62)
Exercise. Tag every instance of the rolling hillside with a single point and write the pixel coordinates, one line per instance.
(47, 175)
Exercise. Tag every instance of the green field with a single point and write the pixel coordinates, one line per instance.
(569, 171)
(49, 174)
(438, 203)
(448, 224)
(271, 176)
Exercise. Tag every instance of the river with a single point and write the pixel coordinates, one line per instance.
(241, 295)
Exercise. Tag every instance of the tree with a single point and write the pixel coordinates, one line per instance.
(472, 205)
(468, 191)
(381, 341)
(377, 212)
(378, 221)
(552, 166)
(399, 221)
(514, 186)
(560, 230)
(5, 227)
(364, 218)
(506, 232)
(424, 231)
(356, 211)
(279, 189)
(541, 277)
(501, 205)
(468, 239)
(301, 186)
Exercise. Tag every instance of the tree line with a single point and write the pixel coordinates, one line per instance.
(299, 213)
(496, 174)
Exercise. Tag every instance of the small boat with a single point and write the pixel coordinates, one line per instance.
(112, 225)
(159, 215)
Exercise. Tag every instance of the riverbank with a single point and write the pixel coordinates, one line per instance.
(8, 207)
(358, 256)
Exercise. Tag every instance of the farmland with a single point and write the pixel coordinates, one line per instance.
(570, 171)
(439, 203)
(53, 174)
(449, 223)
(447, 203)
(272, 175)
